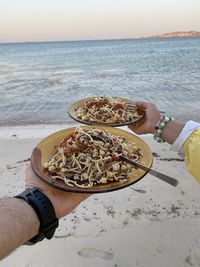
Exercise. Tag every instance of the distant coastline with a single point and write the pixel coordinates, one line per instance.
(179, 34)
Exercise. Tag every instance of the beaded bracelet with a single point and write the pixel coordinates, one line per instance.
(160, 126)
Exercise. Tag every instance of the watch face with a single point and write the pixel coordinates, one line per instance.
(87, 159)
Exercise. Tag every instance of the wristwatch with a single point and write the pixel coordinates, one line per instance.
(45, 212)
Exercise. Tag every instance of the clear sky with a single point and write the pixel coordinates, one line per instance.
(56, 20)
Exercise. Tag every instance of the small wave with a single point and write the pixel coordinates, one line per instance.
(8, 68)
(67, 72)
(39, 82)
(53, 81)
(45, 82)
(109, 73)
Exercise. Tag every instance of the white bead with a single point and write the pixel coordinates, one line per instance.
(159, 131)
(167, 119)
(162, 124)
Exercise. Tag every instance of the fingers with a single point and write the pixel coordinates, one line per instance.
(142, 104)
(31, 177)
(30, 173)
(145, 105)
(133, 127)
(137, 128)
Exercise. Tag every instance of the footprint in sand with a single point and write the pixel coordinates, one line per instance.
(194, 258)
(95, 253)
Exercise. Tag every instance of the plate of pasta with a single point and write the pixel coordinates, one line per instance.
(88, 159)
(104, 110)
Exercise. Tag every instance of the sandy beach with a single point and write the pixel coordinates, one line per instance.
(147, 224)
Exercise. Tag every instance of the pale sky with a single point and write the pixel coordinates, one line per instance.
(60, 20)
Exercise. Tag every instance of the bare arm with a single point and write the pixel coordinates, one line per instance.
(18, 224)
(18, 220)
(170, 132)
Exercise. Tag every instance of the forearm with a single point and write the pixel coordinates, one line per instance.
(18, 224)
(171, 131)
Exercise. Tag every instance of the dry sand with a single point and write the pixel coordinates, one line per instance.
(147, 224)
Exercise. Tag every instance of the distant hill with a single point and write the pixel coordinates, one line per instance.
(181, 34)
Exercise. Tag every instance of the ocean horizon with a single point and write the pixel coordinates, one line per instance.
(156, 37)
(39, 80)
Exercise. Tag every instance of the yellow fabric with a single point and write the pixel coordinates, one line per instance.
(191, 150)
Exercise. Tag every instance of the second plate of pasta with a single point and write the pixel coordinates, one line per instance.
(104, 110)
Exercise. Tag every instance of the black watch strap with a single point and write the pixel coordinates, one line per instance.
(45, 212)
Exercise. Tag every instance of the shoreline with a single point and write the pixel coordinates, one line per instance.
(37, 122)
(182, 117)
(32, 130)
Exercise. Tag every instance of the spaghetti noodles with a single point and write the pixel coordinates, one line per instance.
(87, 158)
(106, 110)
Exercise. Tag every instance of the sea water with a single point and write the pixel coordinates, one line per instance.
(39, 81)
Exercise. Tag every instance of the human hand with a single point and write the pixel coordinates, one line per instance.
(148, 123)
(63, 202)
